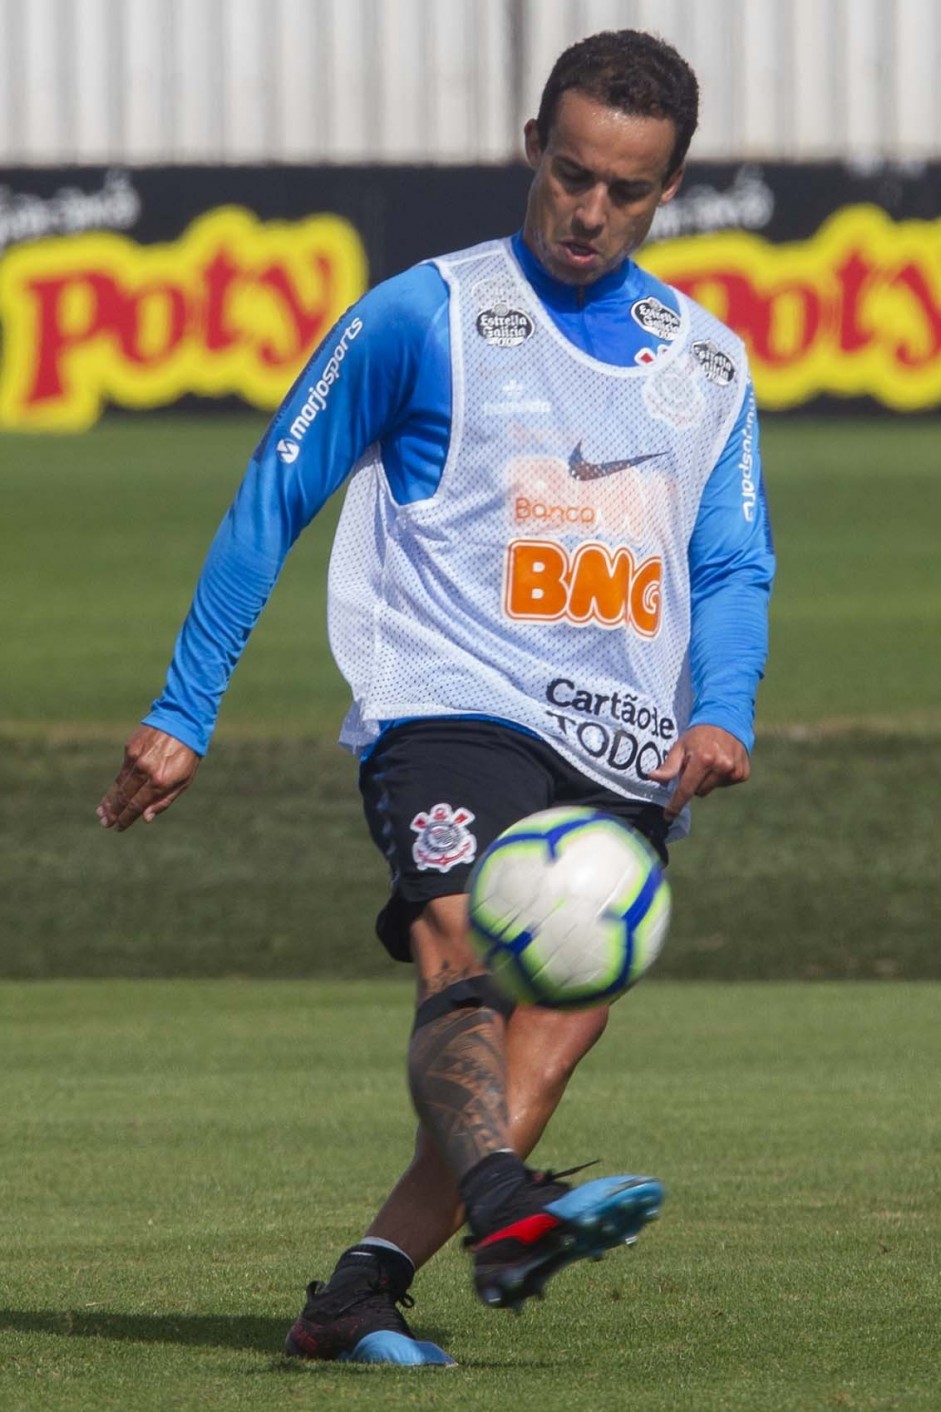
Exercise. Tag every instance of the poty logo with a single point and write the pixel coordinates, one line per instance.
(319, 392)
(229, 308)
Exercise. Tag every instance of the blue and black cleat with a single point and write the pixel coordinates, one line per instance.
(357, 1320)
(555, 1226)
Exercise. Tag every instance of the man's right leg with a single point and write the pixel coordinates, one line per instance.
(525, 1226)
(542, 1049)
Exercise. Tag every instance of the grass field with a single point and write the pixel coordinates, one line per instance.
(176, 1154)
(175, 1168)
(813, 870)
(824, 865)
(102, 537)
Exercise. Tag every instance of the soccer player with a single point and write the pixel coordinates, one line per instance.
(549, 586)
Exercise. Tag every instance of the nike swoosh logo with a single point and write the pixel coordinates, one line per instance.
(580, 469)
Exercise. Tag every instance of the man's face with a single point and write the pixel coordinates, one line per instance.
(597, 185)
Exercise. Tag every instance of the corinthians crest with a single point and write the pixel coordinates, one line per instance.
(443, 838)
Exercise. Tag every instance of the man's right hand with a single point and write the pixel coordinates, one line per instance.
(157, 769)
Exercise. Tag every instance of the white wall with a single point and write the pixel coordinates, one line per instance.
(445, 80)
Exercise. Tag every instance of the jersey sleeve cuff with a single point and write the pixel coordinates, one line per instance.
(181, 730)
(742, 730)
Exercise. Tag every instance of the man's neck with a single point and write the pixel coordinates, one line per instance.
(560, 294)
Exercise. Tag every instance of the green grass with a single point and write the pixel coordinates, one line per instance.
(823, 865)
(99, 551)
(179, 1158)
(857, 609)
(102, 537)
(813, 869)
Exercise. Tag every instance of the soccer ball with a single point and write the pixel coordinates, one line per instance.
(568, 908)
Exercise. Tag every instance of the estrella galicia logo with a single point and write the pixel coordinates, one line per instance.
(287, 450)
(717, 366)
(503, 327)
(656, 318)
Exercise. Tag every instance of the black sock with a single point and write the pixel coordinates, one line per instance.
(488, 1186)
(364, 1261)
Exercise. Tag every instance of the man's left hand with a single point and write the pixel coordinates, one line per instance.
(704, 758)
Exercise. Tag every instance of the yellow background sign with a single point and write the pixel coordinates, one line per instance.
(853, 312)
(236, 305)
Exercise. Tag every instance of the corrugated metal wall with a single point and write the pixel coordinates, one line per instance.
(444, 80)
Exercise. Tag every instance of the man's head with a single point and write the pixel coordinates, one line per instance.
(636, 73)
(607, 148)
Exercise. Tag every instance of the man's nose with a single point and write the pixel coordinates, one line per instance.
(591, 211)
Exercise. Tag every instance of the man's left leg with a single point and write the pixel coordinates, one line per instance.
(355, 1315)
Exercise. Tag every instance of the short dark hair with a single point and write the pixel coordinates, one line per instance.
(637, 73)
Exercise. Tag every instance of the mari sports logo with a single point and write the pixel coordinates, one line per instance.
(443, 839)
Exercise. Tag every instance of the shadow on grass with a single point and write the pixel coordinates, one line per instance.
(208, 1330)
(240, 1331)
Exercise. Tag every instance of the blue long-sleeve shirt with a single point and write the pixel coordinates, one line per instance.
(392, 386)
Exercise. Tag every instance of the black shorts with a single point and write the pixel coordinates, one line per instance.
(437, 792)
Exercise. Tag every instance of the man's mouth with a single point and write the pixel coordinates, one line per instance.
(579, 251)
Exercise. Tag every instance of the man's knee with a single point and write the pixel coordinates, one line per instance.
(473, 993)
(441, 948)
(554, 1040)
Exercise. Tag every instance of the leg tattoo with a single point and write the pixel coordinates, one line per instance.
(457, 1076)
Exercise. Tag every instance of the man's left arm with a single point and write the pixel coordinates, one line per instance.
(731, 560)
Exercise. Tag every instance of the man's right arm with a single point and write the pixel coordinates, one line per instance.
(353, 390)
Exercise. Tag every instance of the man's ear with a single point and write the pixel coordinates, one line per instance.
(673, 184)
(531, 144)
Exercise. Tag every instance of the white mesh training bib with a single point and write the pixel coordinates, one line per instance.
(546, 581)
